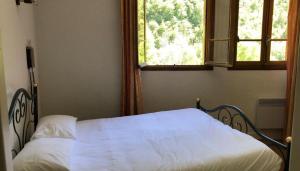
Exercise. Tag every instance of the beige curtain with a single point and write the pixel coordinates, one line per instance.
(292, 53)
(132, 100)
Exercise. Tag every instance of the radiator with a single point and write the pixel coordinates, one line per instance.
(270, 113)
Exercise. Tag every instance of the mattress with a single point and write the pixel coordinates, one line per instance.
(183, 140)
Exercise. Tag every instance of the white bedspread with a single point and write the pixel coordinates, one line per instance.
(182, 140)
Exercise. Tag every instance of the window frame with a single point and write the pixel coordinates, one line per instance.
(209, 48)
(265, 63)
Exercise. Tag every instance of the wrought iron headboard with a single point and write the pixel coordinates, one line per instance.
(23, 112)
(236, 118)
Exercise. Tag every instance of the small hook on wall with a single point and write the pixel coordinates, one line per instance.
(28, 43)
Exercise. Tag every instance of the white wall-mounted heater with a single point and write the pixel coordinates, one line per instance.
(270, 113)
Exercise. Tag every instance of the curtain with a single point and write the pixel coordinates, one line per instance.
(131, 100)
(291, 53)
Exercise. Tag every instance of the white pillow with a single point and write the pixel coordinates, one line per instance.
(56, 126)
(45, 154)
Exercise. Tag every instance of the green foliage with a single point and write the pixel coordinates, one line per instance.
(280, 15)
(248, 51)
(172, 31)
(279, 29)
(250, 19)
(250, 27)
(278, 51)
(141, 32)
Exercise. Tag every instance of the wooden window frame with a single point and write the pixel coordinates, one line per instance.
(209, 48)
(265, 63)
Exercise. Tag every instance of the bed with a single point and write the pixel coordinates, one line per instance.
(186, 140)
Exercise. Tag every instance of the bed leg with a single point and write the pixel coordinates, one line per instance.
(289, 142)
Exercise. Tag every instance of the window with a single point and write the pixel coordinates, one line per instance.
(258, 34)
(174, 34)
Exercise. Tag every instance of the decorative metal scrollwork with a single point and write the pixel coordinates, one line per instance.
(235, 117)
(22, 114)
(230, 115)
(227, 115)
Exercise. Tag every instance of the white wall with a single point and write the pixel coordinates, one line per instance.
(5, 155)
(16, 27)
(80, 57)
(169, 90)
(295, 153)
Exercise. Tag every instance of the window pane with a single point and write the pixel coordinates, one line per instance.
(278, 51)
(248, 51)
(280, 16)
(141, 32)
(250, 19)
(175, 32)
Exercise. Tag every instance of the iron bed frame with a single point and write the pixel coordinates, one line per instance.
(23, 115)
(23, 112)
(236, 118)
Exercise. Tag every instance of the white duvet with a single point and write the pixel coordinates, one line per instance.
(183, 140)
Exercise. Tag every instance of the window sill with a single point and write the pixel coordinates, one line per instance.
(175, 67)
(249, 66)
